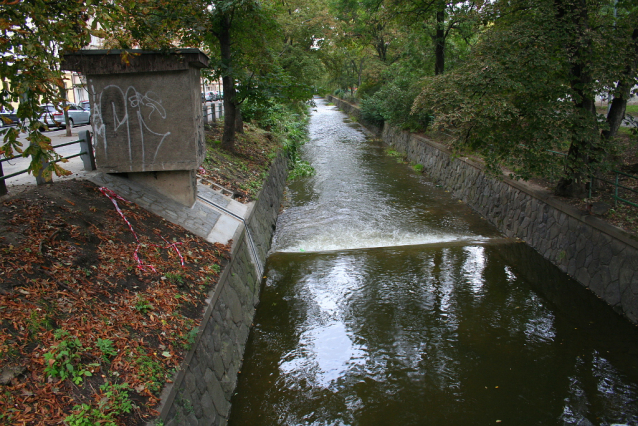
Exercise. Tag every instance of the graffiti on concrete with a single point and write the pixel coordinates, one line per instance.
(128, 116)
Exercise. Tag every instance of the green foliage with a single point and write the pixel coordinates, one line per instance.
(175, 278)
(418, 168)
(32, 35)
(393, 103)
(142, 305)
(151, 372)
(38, 322)
(299, 169)
(106, 347)
(518, 96)
(290, 123)
(63, 361)
(114, 402)
(190, 337)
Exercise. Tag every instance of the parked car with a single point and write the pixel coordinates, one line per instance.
(8, 118)
(210, 96)
(85, 105)
(77, 115)
(46, 116)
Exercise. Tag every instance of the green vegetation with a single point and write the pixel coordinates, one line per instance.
(142, 305)
(114, 402)
(289, 123)
(64, 359)
(106, 347)
(509, 81)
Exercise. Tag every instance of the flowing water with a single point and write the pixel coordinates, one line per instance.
(387, 302)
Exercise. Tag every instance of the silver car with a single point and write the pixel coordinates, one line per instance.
(77, 115)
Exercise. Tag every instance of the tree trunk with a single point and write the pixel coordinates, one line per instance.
(228, 83)
(439, 43)
(616, 113)
(65, 111)
(584, 127)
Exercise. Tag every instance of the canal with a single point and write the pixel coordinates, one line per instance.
(387, 302)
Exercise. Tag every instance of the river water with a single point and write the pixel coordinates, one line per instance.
(387, 302)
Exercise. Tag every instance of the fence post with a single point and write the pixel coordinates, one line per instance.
(212, 107)
(88, 158)
(205, 110)
(3, 184)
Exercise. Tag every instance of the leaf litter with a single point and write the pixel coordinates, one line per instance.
(80, 315)
(68, 270)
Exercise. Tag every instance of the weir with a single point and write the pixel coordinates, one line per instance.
(386, 301)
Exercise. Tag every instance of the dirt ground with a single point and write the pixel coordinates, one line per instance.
(99, 303)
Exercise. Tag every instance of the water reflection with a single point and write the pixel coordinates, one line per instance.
(457, 332)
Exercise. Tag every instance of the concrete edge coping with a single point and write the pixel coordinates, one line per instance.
(540, 195)
(170, 390)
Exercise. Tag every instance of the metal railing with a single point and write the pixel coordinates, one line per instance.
(213, 112)
(86, 153)
(615, 183)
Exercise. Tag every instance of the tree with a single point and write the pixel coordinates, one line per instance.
(32, 36)
(529, 86)
(440, 18)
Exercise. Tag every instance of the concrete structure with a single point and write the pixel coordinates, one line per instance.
(146, 115)
(599, 256)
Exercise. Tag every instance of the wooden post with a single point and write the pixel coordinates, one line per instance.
(3, 185)
(88, 158)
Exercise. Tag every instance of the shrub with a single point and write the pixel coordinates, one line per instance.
(371, 111)
(393, 103)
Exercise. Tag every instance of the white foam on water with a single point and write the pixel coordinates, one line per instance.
(354, 239)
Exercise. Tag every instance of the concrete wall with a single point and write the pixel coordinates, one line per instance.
(201, 392)
(601, 257)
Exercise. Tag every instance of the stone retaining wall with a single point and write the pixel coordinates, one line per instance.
(201, 392)
(601, 257)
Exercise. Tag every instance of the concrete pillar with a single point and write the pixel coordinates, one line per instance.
(147, 115)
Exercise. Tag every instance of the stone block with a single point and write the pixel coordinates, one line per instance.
(217, 394)
(191, 420)
(582, 276)
(198, 410)
(218, 365)
(217, 338)
(612, 293)
(597, 284)
(208, 407)
(234, 304)
(198, 373)
(190, 383)
(226, 353)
